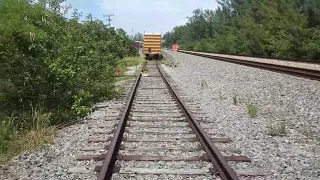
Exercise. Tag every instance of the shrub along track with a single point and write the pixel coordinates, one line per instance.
(313, 74)
(157, 136)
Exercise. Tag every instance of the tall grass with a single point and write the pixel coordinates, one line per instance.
(24, 132)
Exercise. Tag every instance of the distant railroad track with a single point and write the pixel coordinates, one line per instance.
(310, 73)
(157, 128)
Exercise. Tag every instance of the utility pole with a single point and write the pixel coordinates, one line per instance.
(109, 18)
(132, 33)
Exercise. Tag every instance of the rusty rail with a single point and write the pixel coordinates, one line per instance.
(300, 72)
(111, 156)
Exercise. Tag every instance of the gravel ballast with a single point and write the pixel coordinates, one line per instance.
(283, 138)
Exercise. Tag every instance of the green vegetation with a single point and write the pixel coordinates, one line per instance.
(125, 63)
(165, 61)
(121, 90)
(252, 110)
(278, 129)
(124, 78)
(129, 62)
(275, 28)
(203, 84)
(132, 61)
(52, 69)
(235, 100)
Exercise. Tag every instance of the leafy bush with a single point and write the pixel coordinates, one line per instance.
(59, 65)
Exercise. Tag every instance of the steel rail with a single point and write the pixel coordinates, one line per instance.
(286, 59)
(300, 72)
(111, 156)
(220, 164)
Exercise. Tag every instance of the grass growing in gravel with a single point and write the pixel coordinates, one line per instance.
(235, 100)
(27, 141)
(13, 141)
(121, 90)
(128, 62)
(165, 61)
(203, 84)
(123, 78)
(252, 110)
(278, 129)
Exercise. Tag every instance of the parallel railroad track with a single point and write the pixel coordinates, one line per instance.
(295, 71)
(158, 137)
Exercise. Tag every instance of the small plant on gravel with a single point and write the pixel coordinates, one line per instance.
(121, 90)
(221, 96)
(203, 84)
(144, 67)
(235, 100)
(252, 110)
(281, 102)
(165, 61)
(278, 129)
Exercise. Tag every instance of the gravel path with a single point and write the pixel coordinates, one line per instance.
(273, 61)
(283, 138)
(58, 160)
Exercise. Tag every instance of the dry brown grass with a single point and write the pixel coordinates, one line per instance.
(30, 140)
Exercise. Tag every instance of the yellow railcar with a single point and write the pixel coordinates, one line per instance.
(152, 46)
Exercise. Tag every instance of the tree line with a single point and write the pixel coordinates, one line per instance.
(53, 68)
(274, 28)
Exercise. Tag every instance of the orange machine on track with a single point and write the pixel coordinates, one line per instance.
(175, 47)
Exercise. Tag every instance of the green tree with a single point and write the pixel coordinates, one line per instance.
(276, 28)
(138, 37)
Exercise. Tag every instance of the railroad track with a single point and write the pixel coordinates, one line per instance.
(295, 71)
(158, 137)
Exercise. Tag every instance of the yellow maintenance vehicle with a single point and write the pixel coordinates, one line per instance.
(152, 46)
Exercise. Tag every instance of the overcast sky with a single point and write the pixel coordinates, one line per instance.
(143, 15)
